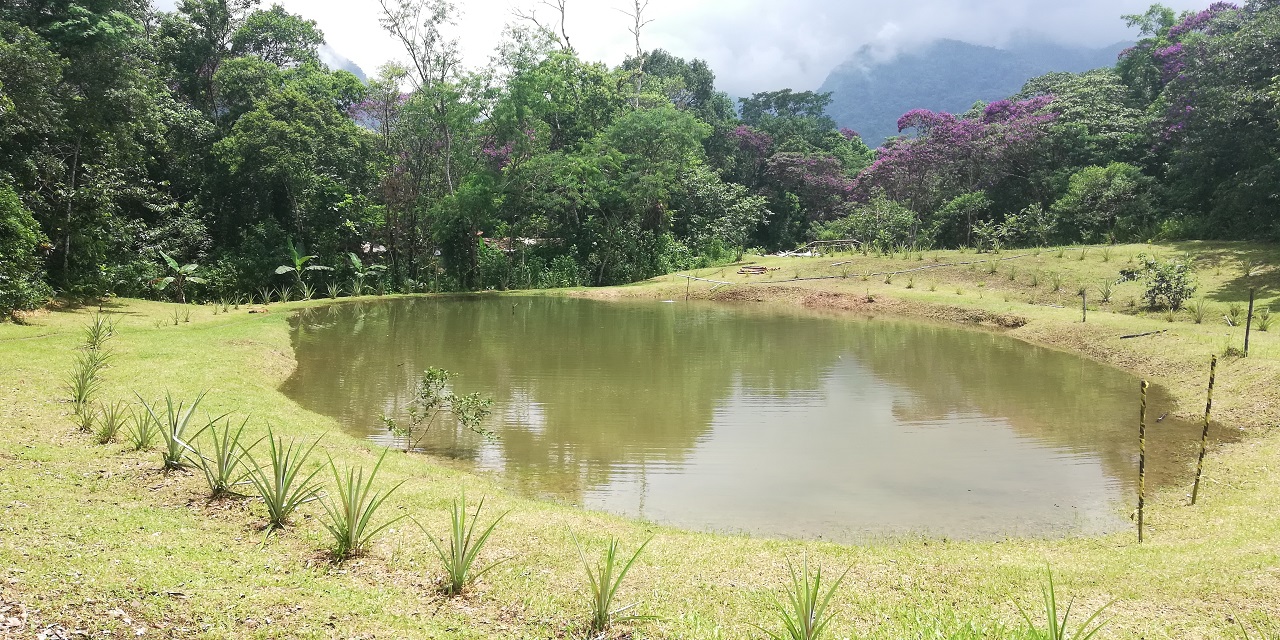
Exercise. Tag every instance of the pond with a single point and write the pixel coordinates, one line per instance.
(758, 420)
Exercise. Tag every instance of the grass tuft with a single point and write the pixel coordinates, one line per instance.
(1199, 308)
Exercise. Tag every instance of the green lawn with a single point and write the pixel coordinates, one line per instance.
(98, 538)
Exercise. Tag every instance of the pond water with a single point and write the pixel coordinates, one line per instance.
(759, 420)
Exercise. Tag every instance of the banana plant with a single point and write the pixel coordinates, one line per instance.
(361, 272)
(179, 276)
(297, 255)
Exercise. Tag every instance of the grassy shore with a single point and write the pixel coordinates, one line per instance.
(98, 538)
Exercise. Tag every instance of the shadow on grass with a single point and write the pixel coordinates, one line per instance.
(1230, 258)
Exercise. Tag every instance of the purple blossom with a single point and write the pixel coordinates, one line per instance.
(1200, 21)
(757, 143)
(1170, 60)
(849, 134)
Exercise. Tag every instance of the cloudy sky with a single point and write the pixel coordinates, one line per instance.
(753, 45)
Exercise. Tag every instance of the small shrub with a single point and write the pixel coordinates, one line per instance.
(1168, 283)
(933, 286)
(1061, 252)
(603, 580)
(804, 612)
(351, 515)
(143, 430)
(888, 278)
(226, 463)
(1055, 628)
(959, 291)
(111, 419)
(1199, 308)
(281, 483)
(464, 546)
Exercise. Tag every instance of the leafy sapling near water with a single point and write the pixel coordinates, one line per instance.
(432, 401)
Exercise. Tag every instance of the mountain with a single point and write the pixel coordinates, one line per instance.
(339, 62)
(869, 94)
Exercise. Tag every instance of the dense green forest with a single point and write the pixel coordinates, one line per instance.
(208, 153)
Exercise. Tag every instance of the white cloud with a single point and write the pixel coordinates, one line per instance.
(753, 45)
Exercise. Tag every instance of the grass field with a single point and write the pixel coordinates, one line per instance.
(98, 538)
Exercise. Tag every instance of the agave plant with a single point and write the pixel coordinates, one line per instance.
(603, 580)
(175, 425)
(804, 613)
(281, 482)
(464, 546)
(351, 513)
(1056, 628)
(226, 461)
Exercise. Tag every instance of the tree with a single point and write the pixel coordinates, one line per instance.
(432, 401)
(22, 286)
(1107, 204)
(278, 37)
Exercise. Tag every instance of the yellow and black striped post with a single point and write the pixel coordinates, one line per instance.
(1204, 435)
(1142, 457)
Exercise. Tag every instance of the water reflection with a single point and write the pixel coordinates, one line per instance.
(757, 420)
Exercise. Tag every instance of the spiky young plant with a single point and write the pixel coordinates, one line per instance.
(83, 383)
(1199, 308)
(804, 613)
(334, 290)
(603, 580)
(143, 430)
(285, 294)
(351, 513)
(98, 331)
(264, 294)
(111, 418)
(1056, 628)
(1264, 319)
(175, 425)
(459, 556)
(281, 483)
(225, 460)
(1055, 279)
(1106, 288)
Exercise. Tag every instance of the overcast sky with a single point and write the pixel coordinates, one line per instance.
(753, 45)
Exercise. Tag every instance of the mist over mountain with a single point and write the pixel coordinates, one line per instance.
(870, 91)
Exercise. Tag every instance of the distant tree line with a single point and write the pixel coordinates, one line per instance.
(214, 136)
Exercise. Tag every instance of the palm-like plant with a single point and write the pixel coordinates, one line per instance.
(299, 258)
(179, 276)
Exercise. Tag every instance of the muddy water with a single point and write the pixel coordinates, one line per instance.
(757, 420)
